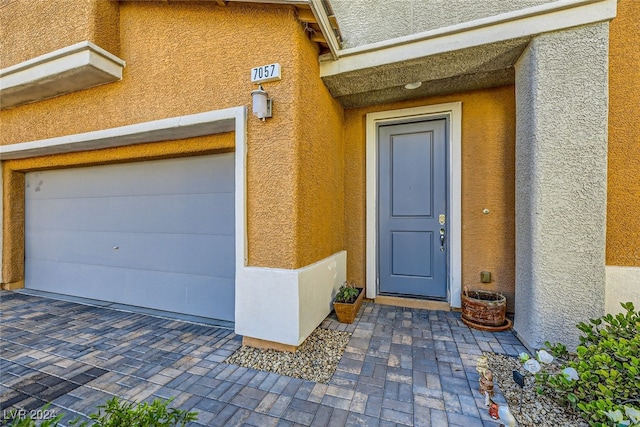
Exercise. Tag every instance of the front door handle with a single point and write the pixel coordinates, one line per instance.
(442, 240)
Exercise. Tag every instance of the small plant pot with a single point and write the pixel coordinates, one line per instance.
(484, 308)
(347, 312)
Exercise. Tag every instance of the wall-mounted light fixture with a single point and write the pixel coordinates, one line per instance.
(261, 103)
(413, 85)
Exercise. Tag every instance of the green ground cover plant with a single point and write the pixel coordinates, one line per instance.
(118, 413)
(606, 388)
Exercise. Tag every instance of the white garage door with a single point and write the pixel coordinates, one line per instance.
(157, 234)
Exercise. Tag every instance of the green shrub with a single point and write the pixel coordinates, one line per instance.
(607, 361)
(28, 422)
(156, 414)
(121, 413)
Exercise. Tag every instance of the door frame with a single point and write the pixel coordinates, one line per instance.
(453, 112)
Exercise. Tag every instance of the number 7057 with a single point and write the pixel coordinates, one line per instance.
(265, 72)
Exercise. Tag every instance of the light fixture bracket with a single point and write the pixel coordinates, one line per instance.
(269, 109)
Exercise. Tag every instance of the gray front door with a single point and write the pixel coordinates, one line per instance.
(412, 209)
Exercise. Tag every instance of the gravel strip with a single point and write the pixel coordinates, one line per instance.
(537, 409)
(316, 359)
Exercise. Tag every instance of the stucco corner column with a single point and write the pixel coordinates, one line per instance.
(561, 183)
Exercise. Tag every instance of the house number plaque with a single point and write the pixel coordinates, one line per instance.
(265, 73)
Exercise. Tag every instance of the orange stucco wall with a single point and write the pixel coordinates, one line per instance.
(93, 20)
(181, 58)
(309, 162)
(320, 204)
(488, 181)
(623, 198)
(188, 57)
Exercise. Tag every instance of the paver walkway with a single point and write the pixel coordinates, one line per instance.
(402, 367)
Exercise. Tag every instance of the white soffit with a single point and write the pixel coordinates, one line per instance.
(70, 69)
(527, 22)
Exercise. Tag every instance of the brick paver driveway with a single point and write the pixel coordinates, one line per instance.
(404, 367)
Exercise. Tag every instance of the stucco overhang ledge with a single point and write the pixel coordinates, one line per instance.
(72, 68)
(206, 123)
(518, 24)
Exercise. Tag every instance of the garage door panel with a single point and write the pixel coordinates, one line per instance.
(206, 174)
(175, 213)
(205, 296)
(206, 255)
(158, 234)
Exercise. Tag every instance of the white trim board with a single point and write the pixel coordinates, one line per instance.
(554, 16)
(622, 285)
(60, 53)
(72, 68)
(454, 111)
(207, 123)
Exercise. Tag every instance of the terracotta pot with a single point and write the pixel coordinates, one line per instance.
(346, 311)
(484, 307)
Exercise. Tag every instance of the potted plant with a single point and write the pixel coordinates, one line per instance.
(347, 302)
(484, 310)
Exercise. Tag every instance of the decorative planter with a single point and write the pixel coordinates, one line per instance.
(347, 312)
(485, 309)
